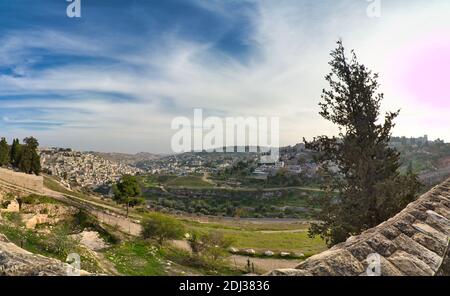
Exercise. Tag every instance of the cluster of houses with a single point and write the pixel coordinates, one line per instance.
(294, 160)
(195, 163)
(82, 168)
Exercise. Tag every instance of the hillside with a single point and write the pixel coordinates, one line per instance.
(129, 159)
(62, 221)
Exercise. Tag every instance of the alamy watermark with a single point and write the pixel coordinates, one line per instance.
(230, 134)
(374, 265)
(74, 264)
(74, 8)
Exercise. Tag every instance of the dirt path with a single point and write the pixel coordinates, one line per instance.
(262, 265)
(105, 213)
(205, 178)
(283, 231)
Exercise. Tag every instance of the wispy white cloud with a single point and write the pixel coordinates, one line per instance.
(281, 74)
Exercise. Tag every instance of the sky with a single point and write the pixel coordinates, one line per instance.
(114, 79)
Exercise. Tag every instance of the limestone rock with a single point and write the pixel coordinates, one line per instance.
(13, 207)
(414, 242)
(91, 240)
(289, 272)
(250, 252)
(333, 262)
(233, 250)
(37, 220)
(409, 264)
(15, 261)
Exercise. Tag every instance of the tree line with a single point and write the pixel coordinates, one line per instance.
(23, 157)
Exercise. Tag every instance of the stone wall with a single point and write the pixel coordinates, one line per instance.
(414, 243)
(32, 182)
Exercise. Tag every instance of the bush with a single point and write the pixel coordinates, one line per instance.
(212, 245)
(36, 199)
(161, 227)
(60, 243)
(14, 218)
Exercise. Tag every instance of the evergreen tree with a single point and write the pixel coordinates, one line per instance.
(15, 153)
(127, 192)
(4, 152)
(360, 171)
(29, 160)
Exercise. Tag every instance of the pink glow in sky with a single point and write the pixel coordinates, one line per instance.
(426, 75)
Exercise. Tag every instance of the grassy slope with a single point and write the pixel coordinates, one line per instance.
(135, 258)
(45, 243)
(273, 237)
(189, 181)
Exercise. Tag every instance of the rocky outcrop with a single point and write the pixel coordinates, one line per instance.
(15, 261)
(414, 242)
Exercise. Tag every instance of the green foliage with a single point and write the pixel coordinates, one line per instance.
(14, 218)
(16, 147)
(161, 227)
(36, 199)
(136, 258)
(359, 169)
(127, 191)
(4, 152)
(242, 168)
(188, 181)
(212, 245)
(24, 157)
(60, 243)
(29, 160)
(55, 244)
(292, 203)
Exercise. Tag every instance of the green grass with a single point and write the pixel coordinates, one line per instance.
(55, 186)
(39, 243)
(253, 237)
(14, 218)
(291, 242)
(136, 258)
(152, 181)
(39, 199)
(189, 182)
(52, 184)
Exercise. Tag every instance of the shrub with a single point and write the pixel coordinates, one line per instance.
(161, 227)
(212, 245)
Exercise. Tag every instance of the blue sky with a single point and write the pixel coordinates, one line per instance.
(114, 79)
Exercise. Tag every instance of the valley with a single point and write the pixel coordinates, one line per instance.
(261, 223)
(126, 253)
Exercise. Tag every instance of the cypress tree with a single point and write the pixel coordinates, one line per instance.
(4, 152)
(15, 152)
(360, 171)
(29, 160)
